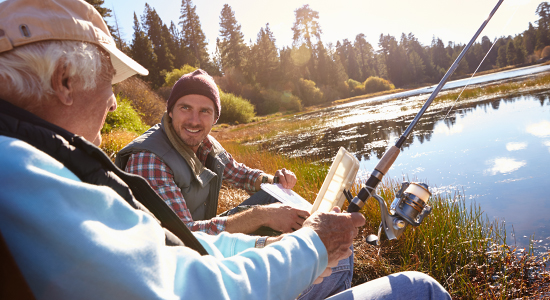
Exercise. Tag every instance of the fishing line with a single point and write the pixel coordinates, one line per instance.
(478, 66)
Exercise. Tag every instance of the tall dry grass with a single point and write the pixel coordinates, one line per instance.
(149, 104)
(114, 141)
(310, 176)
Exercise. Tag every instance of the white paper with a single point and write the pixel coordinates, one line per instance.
(286, 196)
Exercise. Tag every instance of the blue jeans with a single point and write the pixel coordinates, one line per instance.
(338, 281)
(404, 285)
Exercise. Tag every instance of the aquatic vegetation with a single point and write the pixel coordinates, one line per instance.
(496, 89)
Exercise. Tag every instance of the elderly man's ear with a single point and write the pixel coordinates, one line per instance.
(62, 84)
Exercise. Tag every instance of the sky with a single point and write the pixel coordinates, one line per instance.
(449, 20)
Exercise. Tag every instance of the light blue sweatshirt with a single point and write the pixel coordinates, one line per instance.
(73, 240)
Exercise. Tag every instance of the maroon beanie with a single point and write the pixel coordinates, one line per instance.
(195, 83)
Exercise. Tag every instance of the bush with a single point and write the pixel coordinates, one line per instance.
(232, 81)
(124, 118)
(308, 92)
(377, 84)
(330, 93)
(352, 84)
(173, 76)
(274, 101)
(290, 102)
(235, 109)
(149, 105)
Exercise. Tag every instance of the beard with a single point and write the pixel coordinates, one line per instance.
(192, 141)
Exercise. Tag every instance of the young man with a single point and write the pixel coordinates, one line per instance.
(73, 226)
(185, 165)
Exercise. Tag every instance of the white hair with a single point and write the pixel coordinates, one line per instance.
(28, 69)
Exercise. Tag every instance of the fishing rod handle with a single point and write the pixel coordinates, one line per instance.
(387, 161)
(374, 179)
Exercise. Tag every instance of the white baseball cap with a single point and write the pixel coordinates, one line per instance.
(28, 21)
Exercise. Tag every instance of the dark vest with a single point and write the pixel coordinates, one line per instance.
(200, 191)
(91, 165)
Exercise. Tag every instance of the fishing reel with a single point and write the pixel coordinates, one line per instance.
(409, 207)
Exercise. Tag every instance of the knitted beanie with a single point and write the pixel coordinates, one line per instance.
(195, 83)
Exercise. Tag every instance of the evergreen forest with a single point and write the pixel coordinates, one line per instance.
(310, 72)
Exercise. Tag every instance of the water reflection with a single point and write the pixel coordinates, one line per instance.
(504, 165)
(541, 129)
(512, 146)
(371, 132)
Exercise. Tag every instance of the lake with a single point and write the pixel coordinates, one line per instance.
(494, 151)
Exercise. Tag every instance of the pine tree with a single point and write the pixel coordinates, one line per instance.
(365, 56)
(543, 10)
(306, 26)
(439, 55)
(352, 67)
(266, 57)
(180, 52)
(153, 26)
(395, 59)
(417, 67)
(141, 49)
(321, 75)
(231, 45)
(193, 37)
(502, 60)
(104, 12)
(117, 36)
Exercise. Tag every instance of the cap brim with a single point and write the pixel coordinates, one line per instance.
(125, 66)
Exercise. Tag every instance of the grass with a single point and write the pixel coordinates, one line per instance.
(114, 141)
(311, 175)
(264, 129)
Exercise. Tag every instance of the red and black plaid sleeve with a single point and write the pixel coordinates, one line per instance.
(161, 178)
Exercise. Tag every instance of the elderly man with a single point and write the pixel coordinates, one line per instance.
(74, 226)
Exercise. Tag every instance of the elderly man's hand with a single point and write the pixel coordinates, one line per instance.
(286, 178)
(284, 218)
(337, 231)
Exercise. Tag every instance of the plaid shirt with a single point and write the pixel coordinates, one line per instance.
(161, 178)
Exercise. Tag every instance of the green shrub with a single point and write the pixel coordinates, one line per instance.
(308, 92)
(147, 103)
(124, 118)
(275, 101)
(352, 84)
(290, 102)
(173, 76)
(235, 109)
(376, 84)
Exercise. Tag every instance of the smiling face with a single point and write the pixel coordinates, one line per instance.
(193, 117)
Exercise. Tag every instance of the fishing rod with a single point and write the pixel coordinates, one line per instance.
(410, 205)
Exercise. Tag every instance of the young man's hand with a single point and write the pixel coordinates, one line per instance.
(286, 178)
(283, 218)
